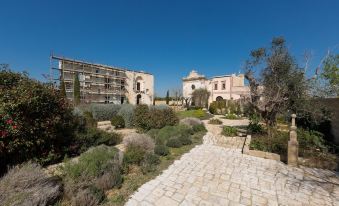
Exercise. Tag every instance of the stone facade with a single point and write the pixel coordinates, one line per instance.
(220, 87)
(105, 84)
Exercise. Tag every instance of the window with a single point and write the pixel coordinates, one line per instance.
(107, 83)
(107, 98)
(138, 86)
(122, 84)
(97, 71)
(193, 86)
(68, 86)
(223, 85)
(215, 86)
(122, 100)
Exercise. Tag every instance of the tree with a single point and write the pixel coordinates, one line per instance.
(331, 72)
(62, 88)
(200, 97)
(177, 95)
(282, 83)
(167, 97)
(76, 89)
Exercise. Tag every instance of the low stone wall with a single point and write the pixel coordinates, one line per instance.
(256, 153)
(105, 125)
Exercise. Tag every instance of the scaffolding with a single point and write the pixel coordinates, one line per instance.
(98, 83)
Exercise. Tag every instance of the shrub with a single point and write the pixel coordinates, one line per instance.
(213, 108)
(172, 131)
(142, 117)
(277, 144)
(199, 128)
(174, 142)
(104, 112)
(134, 155)
(92, 163)
(229, 131)
(185, 140)
(118, 121)
(149, 163)
(35, 121)
(88, 172)
(108, 138)
(231, 116)
(153, 133)
(27, 184)
(190, 121)
(160, 118)
(139, 140)
(161, 150)
(127, 113)
(254, 127)
(90, 196)
(109, 179)
(215, 121)
(94, 137)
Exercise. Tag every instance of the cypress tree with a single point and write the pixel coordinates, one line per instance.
(167, 97)
(76, 91)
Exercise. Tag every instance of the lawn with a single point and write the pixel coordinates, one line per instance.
(198, 113)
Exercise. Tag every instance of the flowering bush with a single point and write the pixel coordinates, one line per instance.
(35, 120)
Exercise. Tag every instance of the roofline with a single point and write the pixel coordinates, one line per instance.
(221, 76)
(97, 65)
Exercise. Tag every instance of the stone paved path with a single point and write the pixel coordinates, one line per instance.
(213, 174)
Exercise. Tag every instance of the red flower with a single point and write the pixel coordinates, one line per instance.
(10, 121)
(14, 126)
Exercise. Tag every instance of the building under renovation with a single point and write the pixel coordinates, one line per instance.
(102, 83)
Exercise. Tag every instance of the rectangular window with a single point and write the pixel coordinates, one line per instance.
(223, 85)
(122, 84)
(215, 86)
(138, 86)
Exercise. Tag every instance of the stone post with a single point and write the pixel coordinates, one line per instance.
(292, 156)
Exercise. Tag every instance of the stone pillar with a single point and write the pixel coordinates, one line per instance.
(292, 156)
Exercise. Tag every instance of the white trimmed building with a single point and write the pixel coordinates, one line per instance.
(220, 87)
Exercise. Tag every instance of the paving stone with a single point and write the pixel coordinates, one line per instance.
(217, 173)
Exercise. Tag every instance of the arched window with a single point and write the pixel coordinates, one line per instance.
(219, 98)
(193, 86)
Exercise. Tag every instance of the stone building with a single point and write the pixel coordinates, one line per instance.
(105, 84)
(220, 87)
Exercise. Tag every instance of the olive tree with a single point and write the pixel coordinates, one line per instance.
(280, 85)
(200, 97)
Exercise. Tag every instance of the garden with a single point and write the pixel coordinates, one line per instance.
(40, 129)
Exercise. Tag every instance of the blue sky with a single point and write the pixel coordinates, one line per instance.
(166, 38)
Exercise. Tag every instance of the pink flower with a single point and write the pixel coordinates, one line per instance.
(10, 121)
